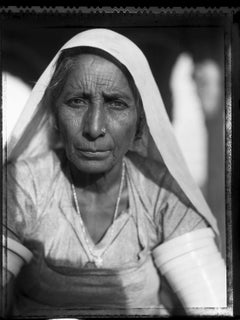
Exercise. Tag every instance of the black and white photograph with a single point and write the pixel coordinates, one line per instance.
(116, 192)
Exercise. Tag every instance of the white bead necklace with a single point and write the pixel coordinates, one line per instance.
(96, 259)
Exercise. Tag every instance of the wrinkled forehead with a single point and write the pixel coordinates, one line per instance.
(94, 67)
(95, 75)
(94, 60)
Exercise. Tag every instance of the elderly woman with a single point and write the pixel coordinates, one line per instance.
(100, 206)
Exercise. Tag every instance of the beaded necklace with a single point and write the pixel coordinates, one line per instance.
(97, 259)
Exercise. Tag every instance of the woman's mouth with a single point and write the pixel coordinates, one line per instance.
(94, 154)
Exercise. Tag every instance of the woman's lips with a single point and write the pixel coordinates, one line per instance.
(94, 154)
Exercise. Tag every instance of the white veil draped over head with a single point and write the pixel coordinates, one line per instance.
(32, 133)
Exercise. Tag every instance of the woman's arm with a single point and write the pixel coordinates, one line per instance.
(187, 255)
(170, 300)
(15, 255)
(19, 216)
(7, 292)
(194, 268)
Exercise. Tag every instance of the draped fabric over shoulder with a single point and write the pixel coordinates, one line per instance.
(34, 134)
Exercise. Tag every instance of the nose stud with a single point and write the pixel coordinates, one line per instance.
(103, 130)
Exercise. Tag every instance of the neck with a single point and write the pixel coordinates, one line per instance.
(96, 183)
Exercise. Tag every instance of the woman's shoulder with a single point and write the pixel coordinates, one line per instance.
(153, 180)
(41, 167)
(146, 170)
(147, 175)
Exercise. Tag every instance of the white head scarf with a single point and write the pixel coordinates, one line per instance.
(31, 135)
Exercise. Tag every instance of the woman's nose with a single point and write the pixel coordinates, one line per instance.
(94, 124)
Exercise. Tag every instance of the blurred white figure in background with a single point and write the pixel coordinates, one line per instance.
(14, 89)
(189, 119)
(207, 76)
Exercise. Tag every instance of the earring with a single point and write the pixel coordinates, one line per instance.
(103, 130)
(54, 123)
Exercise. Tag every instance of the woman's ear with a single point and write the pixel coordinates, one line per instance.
(139, 141)
(50, 104)
(140, 126)
(54, 122)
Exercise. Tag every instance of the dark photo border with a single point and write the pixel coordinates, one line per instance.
(75, 18)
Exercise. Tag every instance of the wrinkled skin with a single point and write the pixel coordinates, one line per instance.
(96, 96)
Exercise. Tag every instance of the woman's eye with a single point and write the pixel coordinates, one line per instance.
(118, 104)
(76, 103)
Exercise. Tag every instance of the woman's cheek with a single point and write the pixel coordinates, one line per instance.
(69, 126)
(129, 125)
(125, 133)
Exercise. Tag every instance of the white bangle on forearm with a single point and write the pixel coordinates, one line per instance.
(194, 268)
(15, 255)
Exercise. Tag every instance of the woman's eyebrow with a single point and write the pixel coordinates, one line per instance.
(76, 90)
(116, 95)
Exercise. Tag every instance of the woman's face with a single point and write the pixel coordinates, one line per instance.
(96, 97)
